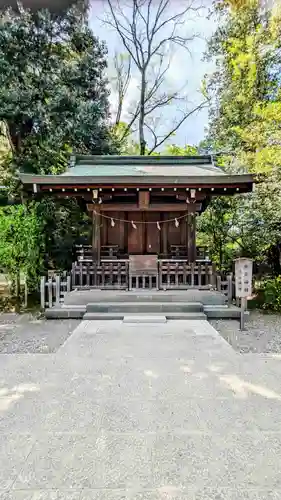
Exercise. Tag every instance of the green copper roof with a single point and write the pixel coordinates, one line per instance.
(143, 166)
(140, 170)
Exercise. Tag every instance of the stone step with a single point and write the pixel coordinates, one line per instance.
(84, 297)
(142, 297)
(186, 316)
(79, 312)
(227, 312)
(144, 318)
(62, 312)
(99, 316)
(174, 310)
(144, 307)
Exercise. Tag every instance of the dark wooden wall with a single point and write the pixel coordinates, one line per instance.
(147, 238)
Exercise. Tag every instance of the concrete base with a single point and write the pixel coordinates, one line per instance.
(144, 318)
(186, 316)
(84, 297)
(103, 316)
(226, 312)
(190, 304)
(62, 312)
(218, 312)
(140, 307)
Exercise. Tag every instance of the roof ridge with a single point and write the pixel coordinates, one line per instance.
(142, 157)
(140, 160)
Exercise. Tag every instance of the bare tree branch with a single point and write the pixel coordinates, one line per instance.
(177, 126)
(141, 36)
(123, 76)
(130, 124)
(155, 138)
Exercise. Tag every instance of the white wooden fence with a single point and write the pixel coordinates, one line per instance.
(53, 289)
(226, 285)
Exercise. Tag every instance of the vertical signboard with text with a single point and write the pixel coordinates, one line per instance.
(243, 284)
(243, 277)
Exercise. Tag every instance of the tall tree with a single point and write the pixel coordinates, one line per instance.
(21, 241)
(53, 92)
(149, 33)
(54, 100)
(245, 117)
(241, 78)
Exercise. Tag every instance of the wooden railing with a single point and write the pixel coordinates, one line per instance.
(84, 253)
(108, 274)
(53, 289)
(178, 274)
(226, 285)
(115, 275)
(109, 252)
(168, 274)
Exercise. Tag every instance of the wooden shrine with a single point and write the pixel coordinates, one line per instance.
(143, 208)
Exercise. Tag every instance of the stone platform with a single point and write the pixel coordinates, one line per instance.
(83, 297)
(146, 304)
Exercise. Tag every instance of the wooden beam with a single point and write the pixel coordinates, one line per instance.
(144, 198)
(181, 193)
(154, 184)
(155, 207)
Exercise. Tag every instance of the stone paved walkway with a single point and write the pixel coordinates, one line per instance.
(140, 412)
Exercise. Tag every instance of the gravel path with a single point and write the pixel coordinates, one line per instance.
(262, 335)
(24, 333)
(134, 412)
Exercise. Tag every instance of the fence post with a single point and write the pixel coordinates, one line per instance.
(73, 274)
(218, 283)
(50, 292)
(127, 276)
(229, 288)
(213, 275)
(42, 291)
(57, 298)
(68, 283)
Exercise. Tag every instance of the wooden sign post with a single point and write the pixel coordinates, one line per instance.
(243, 284)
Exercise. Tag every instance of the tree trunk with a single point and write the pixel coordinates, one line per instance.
(141, 117)
(221, 254)
(274, 259)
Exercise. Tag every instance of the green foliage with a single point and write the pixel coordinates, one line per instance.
(123, 139)
(21, 231)
(174, 150)
(240, 226)
(53, 92)
(5, 153)
(217, 230)
(65, 224)
(128, 146)
(242, 76)
(245, 120)
(54, 100)
(270, 293)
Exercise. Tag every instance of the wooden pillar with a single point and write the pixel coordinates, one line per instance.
(191, 237)
(96, 223)
(193, 225)
(164, 233)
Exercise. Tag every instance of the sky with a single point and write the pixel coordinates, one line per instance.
(187, 69)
